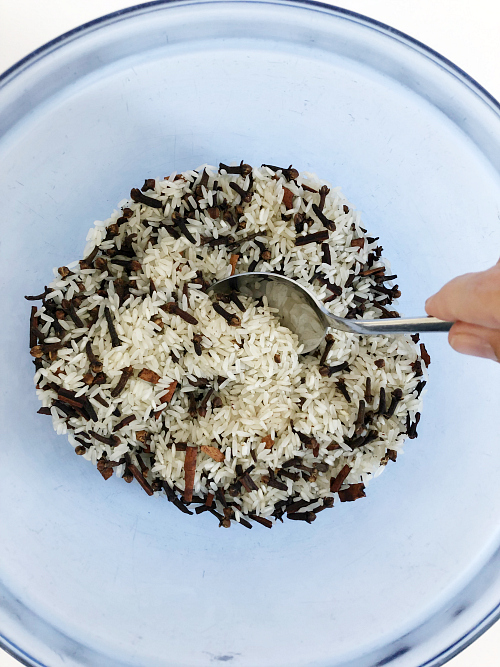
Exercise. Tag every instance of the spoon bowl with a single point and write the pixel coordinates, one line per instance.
(302, 313)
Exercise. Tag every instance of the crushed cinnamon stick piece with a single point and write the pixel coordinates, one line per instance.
(287, 198)
(233, 261)
(166, 398)
(336, 482)
(214, 453)
(149, 376)
(269, 442)
(189, 471)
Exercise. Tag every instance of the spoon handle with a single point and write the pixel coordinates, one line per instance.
(401, 325)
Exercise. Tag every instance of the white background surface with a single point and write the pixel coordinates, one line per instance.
(466, 32)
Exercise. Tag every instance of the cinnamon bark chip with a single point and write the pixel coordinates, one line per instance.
(287, 198)
(269, 442)
(213, 452)
(233, 260)
(166, 398)
(124, 378)
(336, 482)
(189, 473)
(149, 376)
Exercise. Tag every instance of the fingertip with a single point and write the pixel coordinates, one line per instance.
(429, 304)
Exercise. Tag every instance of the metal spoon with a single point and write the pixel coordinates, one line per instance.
(301, 312)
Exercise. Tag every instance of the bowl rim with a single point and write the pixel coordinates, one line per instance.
(20, 66)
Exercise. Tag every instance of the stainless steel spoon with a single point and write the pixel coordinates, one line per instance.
(302, 313)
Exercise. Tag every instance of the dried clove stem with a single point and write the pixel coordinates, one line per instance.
(124, 378)
(115, 341)
(329, 344)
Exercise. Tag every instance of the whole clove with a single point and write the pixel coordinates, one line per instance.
(360, 419)
(323, 191)
(232, 320)
(299, 222)
(275, 484)
(381, 404)
(330, 286)
(124, 378)
(95, 364)
(149, 184)
(245, 196)
(38, 297)
(192, 409)
(180, 222)
(302, 516)
(140, 478)
(327, 256)
(289, 173)
(329, 224)
(343, 389)
(140, 197)
(173, 309)
(69, 308)
(202, 409)
(368, 390)
(112, 441)
(397, 394)
(124, 422)
(420, 385)
(260, 519)
(115, 341)
(242, 169)
(329, 344)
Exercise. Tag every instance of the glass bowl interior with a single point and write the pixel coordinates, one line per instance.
(98, 573)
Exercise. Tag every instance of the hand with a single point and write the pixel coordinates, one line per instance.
(471, 301)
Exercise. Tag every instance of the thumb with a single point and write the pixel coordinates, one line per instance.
(475, 340)
(473, 298)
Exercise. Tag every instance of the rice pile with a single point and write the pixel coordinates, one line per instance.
(212, 401)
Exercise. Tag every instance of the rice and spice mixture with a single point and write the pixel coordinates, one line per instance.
(211, 401)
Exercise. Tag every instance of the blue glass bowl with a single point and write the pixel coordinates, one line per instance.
(96, 573)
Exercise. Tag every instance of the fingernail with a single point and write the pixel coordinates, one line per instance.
(473, 345)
